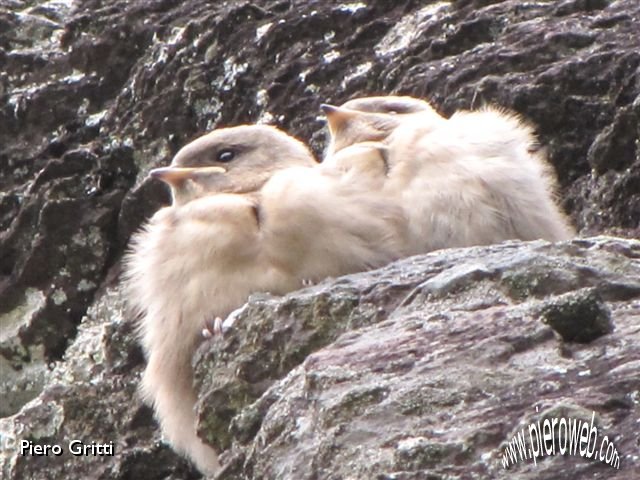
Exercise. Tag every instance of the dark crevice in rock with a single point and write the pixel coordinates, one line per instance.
(579, 316)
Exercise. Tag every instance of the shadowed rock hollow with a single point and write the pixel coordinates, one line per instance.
(425, 368)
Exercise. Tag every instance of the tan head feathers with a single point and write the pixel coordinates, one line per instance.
(244, 158)
(374, 119)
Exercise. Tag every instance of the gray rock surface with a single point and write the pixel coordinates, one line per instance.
(92, 396)
(93, 94)
(427, 368)
(423, 369)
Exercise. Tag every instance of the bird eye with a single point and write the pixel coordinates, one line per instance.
(225, 155)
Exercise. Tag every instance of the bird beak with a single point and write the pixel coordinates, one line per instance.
(175, 176)
(328, 109)
(336, 116)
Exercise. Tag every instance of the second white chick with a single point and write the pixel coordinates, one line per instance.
(375, 118)
(324, 223)
(477, 179)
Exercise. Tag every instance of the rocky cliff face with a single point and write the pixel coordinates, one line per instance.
(371, 374)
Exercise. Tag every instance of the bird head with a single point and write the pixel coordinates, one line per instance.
(391, 104)
(373, 118)
(347, 126)
(231, 160)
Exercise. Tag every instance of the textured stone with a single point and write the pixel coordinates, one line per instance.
(91, 396)
(430, 368)
(422, 369)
